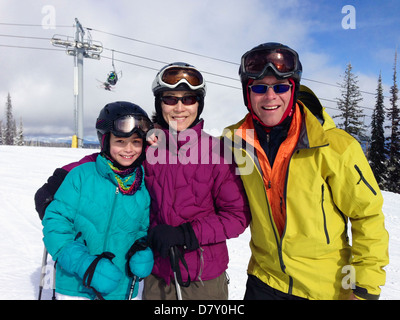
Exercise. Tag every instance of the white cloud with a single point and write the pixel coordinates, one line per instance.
(41, 82)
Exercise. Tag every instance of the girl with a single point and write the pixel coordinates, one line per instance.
(101, 210)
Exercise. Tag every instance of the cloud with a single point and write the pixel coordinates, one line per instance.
(41, 81)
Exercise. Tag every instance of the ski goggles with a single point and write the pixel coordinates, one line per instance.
(186, 100)
(263, 88)
(283, 61)
(174, 76)
(126, 125)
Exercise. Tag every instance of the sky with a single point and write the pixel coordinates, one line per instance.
(210, 34)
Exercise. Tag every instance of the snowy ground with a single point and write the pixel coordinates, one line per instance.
(24, 169)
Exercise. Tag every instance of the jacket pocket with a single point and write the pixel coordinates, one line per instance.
(323, 214)
(362, 178)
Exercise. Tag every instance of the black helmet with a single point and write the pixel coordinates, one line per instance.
(270, 58)
(122, 119)
(174, 77)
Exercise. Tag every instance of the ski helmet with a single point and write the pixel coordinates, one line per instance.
(270, 58)
(178, 76)
(122, 119)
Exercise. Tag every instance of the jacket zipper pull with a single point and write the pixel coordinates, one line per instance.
(117, 190)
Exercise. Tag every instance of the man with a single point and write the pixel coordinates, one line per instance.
(309, 180)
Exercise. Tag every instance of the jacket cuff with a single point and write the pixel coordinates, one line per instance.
(363, 294)
(191, 242)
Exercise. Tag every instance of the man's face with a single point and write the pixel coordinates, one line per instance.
(270, 106)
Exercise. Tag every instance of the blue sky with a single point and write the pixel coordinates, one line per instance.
(41, 81)
(370, 46)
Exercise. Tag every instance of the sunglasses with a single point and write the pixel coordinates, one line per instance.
(172, 77)
(282, 61)
(186, 100)
(263, 88)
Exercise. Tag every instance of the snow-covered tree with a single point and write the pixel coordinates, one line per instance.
(350, 111)
(19, 138)
(9, 129)
(1, 133)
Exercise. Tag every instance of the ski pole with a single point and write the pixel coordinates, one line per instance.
(54, 281)
(174, 265)
(133, 282)
(43, 274)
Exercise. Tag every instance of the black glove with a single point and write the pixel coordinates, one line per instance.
(162, 237)
(46, 193)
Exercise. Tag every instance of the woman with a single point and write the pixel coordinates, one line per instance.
(197, 200)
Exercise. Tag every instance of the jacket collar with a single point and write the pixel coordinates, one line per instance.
(312, 134)
(187, 137)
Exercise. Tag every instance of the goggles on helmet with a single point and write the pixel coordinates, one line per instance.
(174, 76)
(125, 126)
(283, 61)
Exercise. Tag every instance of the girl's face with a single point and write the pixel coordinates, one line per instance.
(125, 150)
(179, 116)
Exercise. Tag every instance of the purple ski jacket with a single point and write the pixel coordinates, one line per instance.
(189, 180)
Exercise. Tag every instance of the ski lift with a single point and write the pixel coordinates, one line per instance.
(112, 77)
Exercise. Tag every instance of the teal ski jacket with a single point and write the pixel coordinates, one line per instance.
(89, 209)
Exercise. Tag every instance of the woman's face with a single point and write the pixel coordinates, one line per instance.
(179, 116)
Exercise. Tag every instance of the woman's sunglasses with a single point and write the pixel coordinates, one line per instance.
(186, 100)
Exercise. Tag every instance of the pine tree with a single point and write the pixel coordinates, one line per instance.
(377, 151)
(393, 164)
(1, 133)
(9, 130)
(351, 113)
(19, 138)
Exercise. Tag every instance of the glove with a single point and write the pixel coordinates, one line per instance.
(140, 259)
(75, 259)
(162, 237)
(141, 263)
(46, 193)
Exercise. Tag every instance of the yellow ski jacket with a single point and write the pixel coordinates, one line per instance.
(329, 188)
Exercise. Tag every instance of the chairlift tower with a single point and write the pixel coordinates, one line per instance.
(79, 47)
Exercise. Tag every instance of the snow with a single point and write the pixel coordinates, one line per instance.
(24, 169)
